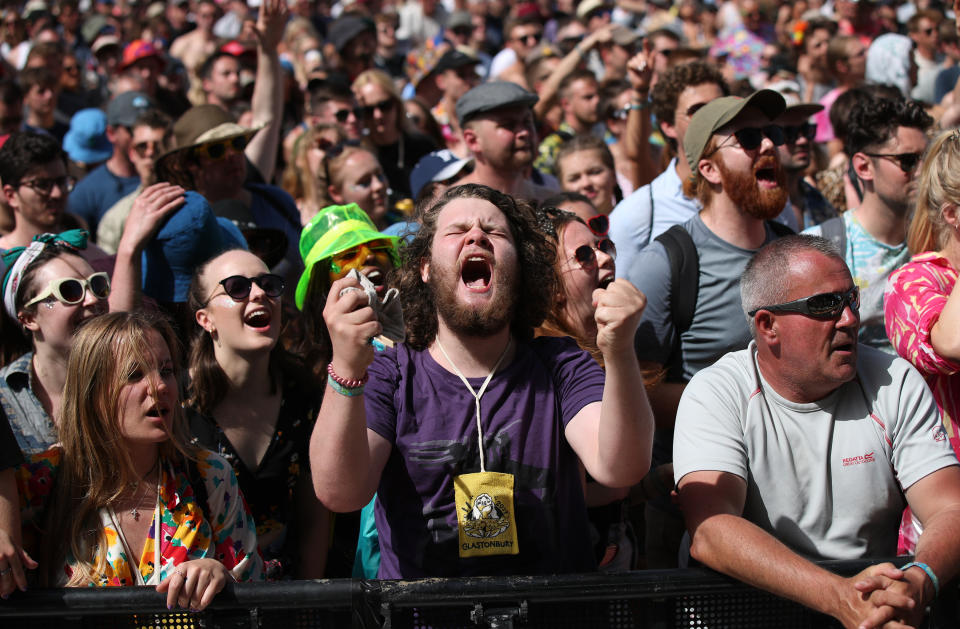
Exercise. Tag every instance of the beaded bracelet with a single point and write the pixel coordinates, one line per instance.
(928, 570)
(344, 382)
(342, 390)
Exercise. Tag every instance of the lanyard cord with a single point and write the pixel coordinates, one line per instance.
(477, 394)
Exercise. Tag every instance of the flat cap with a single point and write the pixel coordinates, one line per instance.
(490, 96)
(454, 59)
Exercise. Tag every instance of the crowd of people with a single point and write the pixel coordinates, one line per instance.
(384, 289)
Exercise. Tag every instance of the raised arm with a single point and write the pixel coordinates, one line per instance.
(346, 457)
(267, 103)
(548, 91)
(636, 138)
(614, 439)
(149, 211)
(712, 504)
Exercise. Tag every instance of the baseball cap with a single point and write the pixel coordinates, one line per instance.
(126, 107)
(459, 19)
(136, 50)
(453, 59)
(490, 96)
(589, 6)
(436, 166)
(346, 28)
(719, 113)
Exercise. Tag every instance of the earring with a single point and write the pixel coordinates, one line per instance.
(215, 336)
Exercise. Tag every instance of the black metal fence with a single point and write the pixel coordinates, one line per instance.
(655, 599)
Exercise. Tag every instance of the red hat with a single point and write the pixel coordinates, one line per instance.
(136, 50)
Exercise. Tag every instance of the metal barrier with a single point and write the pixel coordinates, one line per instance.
(655, 599)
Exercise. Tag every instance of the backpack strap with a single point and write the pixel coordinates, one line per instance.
(835, 230)
(779, 229)
(684, 286)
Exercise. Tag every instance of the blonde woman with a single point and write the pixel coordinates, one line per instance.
(132, 503)
(397, 144)
(922, 304)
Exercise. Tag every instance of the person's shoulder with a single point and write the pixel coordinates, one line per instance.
(94, 178)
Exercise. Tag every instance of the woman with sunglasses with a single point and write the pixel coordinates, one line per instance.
(585, 263)
(340, 239)
(125, 499)
(354, 175)
(585, 165)
(250, 402)
(397, 143)
(921, 305)
(583, 207)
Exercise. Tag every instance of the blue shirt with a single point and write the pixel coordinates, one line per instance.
(31, 426)
(97, 192)
(660, 204)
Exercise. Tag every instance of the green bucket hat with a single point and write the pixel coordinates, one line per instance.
(333, 230)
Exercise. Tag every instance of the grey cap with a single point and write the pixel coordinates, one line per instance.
(459, 18)
(125, 108)
(490, 96)
(720, 112)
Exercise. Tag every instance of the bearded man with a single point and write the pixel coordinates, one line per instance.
(731, 149)
(472, 404)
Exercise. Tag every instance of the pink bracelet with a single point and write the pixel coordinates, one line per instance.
(356, 383)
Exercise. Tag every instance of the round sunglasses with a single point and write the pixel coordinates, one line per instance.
(237, 287)
(215, 151)
(71, 291)
(586, 255)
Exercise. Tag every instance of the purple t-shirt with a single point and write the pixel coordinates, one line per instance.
(429, 417)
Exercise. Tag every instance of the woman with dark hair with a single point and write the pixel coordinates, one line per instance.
(353, 175)
(250, 402)
(132, 502)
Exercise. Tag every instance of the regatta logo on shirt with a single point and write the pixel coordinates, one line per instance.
(939, 433)
(857, 460)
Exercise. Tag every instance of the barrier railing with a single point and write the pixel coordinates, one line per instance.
(655, 599)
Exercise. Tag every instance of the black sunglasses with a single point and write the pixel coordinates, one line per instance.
(907, 162)
(791, 133)
(750, 138)
(823, 305)
(599, 224)
(586, 255)
(383, 107)
(237, 287)
(344, 114)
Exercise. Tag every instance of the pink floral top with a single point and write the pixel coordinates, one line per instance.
(222, 529)
(916, 294)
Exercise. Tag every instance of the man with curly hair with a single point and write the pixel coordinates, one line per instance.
(472, 404)
(886, 139)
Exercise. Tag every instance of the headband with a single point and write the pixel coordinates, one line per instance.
(18, 259)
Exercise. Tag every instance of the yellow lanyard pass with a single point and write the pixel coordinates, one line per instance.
(486, 520)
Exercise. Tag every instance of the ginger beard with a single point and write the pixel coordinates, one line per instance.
(752, 190)
(477, 321)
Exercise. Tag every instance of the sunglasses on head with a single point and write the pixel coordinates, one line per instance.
(215, 151)
(237, 287)
(70, 290)
(383, 107)
(599, 224)
(586, 255)
(821, 306)
(791, 133)
(354, 257)
(907, 162)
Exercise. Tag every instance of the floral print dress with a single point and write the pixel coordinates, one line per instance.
(183, 527)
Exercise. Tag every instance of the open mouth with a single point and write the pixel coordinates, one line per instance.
(844, 347)
(476, 273)
(259, 318)
(605, 282)
(158, 411)
(377, 278)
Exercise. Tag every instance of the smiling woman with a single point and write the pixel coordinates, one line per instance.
(251, 403)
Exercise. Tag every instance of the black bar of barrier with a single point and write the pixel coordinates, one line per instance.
(654, 599)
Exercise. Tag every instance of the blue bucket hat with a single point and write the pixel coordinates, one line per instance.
(190, 237)
(86, 141)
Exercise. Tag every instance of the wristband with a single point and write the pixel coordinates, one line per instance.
(344, 382)
(928, 570)
(342, 390)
